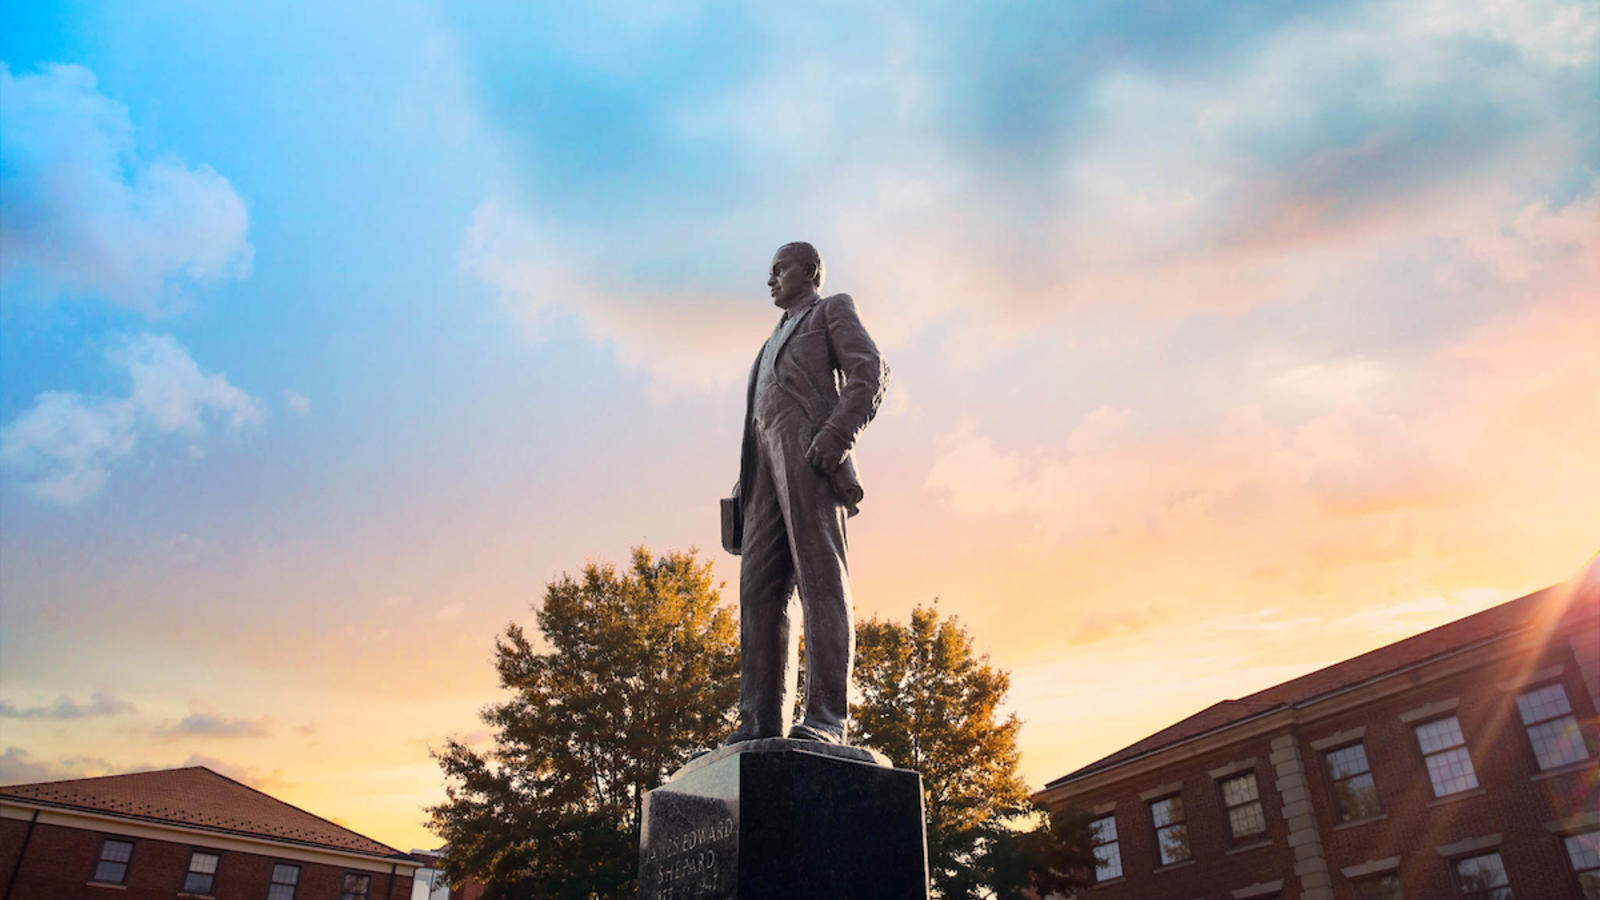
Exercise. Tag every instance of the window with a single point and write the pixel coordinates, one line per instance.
(1584, 852)
(112, 867)
(1243, 802)
(1379, 887)
(284, 877)
(1107, 853)
(202, 874)
(1482, 878)
(355, 886)
(1552, 729)
(1445, 752)
(1172, 835)
(1354, 794)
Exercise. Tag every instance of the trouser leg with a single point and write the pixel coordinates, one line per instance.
(767, 640)
(815, 523)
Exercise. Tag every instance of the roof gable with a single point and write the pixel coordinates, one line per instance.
(197, 797)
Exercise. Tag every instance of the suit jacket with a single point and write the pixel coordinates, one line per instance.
(830, 369)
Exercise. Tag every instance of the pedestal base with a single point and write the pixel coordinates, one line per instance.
(781, 822)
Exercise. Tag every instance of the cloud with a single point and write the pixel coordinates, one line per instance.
(100, 703)
(85, 215)
(997, 178)
(1257, 434)
(693, 339)
(211, 725)
(296, 402)
(64, 446)
(1101, 624)
(449, 612)
(17, 766)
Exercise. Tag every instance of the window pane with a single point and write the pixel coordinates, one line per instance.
(116, 851)
(1167, 811)
(1436, 736)
(1479, 875)
(197, 883)
(1239, 790)
(111, 872)
(1584, 852)
(285, 874)
(1347, 761)
(203, 862)
(1381, 887)
(1558, 742)
(281, 892)
(1174, 842)
(1103, 830)
(1583, 849)
(355, 886)
(1107, 862)
(1246, 820)
(1358, 798)
(1545, 703)
(1451, 772)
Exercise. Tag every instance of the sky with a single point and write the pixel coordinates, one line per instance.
(1229, 340)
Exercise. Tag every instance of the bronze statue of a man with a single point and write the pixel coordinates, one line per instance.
(815, 385)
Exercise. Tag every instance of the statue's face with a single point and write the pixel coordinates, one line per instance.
(789, 279)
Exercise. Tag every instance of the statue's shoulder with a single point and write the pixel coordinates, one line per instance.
(837, 301)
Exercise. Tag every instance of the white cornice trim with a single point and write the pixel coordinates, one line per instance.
(1429, 710)
(1242, 765)
(1347, 736)
(1171, 787)
(1467, 845)
(106, 823)
(1576, 822)
(1371, 867)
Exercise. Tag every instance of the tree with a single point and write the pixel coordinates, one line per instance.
(930, 704)
(636, 671)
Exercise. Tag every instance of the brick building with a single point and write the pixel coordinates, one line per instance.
(1461, 762)
(187, 833)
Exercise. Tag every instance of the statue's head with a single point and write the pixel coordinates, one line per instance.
(797, 270)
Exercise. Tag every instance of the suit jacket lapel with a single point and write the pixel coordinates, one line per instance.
(799, 321)
(750, 387)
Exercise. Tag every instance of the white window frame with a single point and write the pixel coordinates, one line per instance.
(1455, 751)
(1564, 714)
(1098, 840)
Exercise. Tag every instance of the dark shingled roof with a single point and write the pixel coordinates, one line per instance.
(1561, 603)
(200, 798)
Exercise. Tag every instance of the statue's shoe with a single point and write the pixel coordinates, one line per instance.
(747, 732)
(804, 732)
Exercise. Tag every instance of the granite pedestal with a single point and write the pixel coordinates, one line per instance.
(785, 820)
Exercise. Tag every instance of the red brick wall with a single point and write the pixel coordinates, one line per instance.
(60, 861)
(1512, 802)
(11, 835)
(1210, 840)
